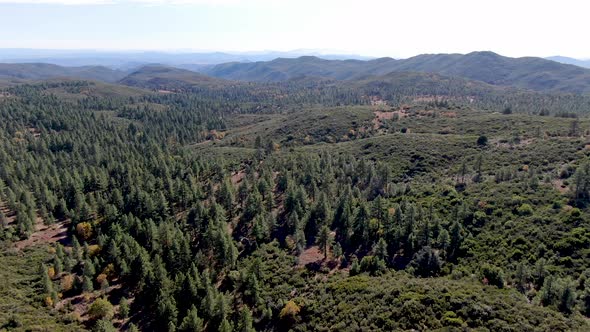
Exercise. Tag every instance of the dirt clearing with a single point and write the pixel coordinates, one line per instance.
(45, 234)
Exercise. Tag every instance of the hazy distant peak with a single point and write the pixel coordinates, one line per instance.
(571, 61)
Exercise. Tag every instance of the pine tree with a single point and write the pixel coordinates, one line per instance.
(456, 239)
(58, 265)
(522, 275)
(324, 240)
(124, 308)
(253, 205)
(443, 241)
(225, 326)
(104, 325)
(225, 196)
(166, 311)
(337, 250)
(191, 322)
(76, 249)
(89, 270)
(380, 250)
(87, 285)
(361, 224)
(46, 280)
(567, 299)
(355, 268)
(245, 323)
(585, 299)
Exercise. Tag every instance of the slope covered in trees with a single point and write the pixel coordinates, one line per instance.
(42, 71)
(300, 205)
(163, 77)
(529, 73)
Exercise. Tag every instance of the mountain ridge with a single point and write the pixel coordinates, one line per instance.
(528, 72)
(44, 71)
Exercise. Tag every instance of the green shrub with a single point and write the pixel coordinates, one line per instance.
(493, 275)
(101, 308)
(482, 140)
(525, 210)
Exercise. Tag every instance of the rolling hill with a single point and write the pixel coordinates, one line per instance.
(42, 71)
(159, 77)
(394, 88)
(529, 73)
(526, 73)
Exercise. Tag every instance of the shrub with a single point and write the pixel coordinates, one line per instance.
(373, 265)
(450, 319)
(104, 325)
(290, 311)
(525, 210)
(493, 275)
(482, 140)
(101, 308)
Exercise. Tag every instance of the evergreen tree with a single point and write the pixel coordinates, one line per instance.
(124, 308)
(324, 240)
(225, 326)
(245, 323)
(87, 285)
(380, 250)
(191, 322)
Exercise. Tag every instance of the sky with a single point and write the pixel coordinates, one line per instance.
(367, 27)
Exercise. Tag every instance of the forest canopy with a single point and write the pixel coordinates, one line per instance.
(302, 205)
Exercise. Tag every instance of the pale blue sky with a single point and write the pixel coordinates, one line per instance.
(368, 27)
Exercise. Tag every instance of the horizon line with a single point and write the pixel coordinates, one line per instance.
(298, 51)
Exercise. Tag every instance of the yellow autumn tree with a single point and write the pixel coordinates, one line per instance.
(67, 282)
(84, 230)
(290, 311)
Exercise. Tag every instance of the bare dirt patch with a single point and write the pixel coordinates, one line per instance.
(377, 101)
(10, 215)
(34, 131)
(449, 114)
(560, 186)
(237, 177)
(379, 116)
(310, 255)
(44, 234)
(507, 144)
(81, 303)
(383, 115)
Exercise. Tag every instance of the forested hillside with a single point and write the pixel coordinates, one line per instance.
(529, 73)
(395, 89)
(408, 201)
(42, 71)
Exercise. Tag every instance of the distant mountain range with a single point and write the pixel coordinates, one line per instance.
(130, 60)
(530, 73)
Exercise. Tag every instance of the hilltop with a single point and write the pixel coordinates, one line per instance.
(161, 77)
